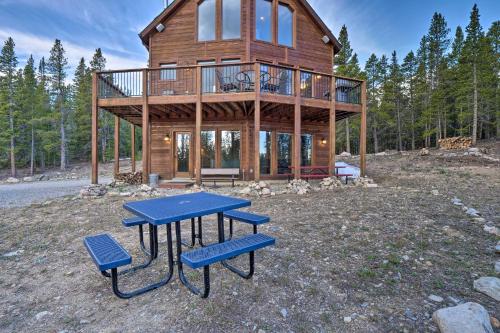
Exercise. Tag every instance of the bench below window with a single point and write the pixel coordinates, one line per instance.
(221, 175)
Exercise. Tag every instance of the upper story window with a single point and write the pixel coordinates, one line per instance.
(263, 20)
(285, 25)
(168, 74)
(206, 20)
(231, 19)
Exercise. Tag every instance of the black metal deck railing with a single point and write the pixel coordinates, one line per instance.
(225, 79)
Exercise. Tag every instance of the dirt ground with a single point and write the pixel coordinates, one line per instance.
(371, 254)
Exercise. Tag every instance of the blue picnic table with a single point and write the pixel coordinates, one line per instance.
(174, 210)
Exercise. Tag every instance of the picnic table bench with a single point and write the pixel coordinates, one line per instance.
(220, 174)
(318, 172)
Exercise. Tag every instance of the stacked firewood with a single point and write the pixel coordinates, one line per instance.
(459, 142)
(131, 178)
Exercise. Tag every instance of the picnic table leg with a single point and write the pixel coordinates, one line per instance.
(220, 223)
(200, 233)
(141, 241)
(239, 272)
(182, 277)
(164, 281)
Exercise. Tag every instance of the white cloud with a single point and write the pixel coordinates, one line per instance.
(38, 46)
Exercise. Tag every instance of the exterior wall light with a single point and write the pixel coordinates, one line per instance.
(323, 141)
(167, 138)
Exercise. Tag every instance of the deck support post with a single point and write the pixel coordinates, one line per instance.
(95, 124)
(257, 124)
(145, 128)
(297, 126)
(117, 146)
(332, 130)
(197, 136)
(362, 139)
(132, 147)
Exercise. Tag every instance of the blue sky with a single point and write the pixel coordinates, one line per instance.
(378, 26)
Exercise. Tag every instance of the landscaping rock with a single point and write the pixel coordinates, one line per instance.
(492, 230)
(299, 186)
(472, 212)
(12, 180)
(489, 286)
(330, 183)
(28, 179)
(468, 317)
(256, 189)
(345, 154)
(497, 248)
(497, 267)
(93, 191)
(457, 202)
(435, 298)
(424, 152)
(42, 314)
(364, 182)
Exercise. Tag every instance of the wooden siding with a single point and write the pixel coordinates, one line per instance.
(178, 42)
(162, 153)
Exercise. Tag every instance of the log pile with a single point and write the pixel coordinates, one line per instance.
(459, 142)
(130, 178)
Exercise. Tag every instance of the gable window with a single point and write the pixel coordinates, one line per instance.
(231, 19)
(206, 20)
(285, 25)
(263, 20)
(168, 74)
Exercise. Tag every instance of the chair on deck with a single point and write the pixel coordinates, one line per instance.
(226, 84)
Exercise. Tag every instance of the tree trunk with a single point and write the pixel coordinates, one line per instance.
(474, 122)
(375, 138)
(13, 170)
(412, 129)
(32, 157)
(63, 142)
(347, 137)
(400, 139)
(42, 160)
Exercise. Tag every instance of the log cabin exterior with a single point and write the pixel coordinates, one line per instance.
(200, 103)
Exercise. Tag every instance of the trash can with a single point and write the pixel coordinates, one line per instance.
(154, 179)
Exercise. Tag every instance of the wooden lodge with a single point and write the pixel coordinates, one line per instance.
(241, 84)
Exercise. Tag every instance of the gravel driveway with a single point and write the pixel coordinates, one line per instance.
(18, 195)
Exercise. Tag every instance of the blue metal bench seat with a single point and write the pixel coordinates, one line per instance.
(133, 222)
(245, 217)
(205, 256)
(106, 252)
(218, 252)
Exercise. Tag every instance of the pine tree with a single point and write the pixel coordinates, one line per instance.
(471, 59)
(98, 63)
(372, 87)
(8, 64)
(42, 118)
(28, 108)
(57, 68)
(409, 72)
(494, 39)
(344, 56)
(82, 111)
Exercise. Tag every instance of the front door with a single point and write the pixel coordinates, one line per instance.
(182, 155)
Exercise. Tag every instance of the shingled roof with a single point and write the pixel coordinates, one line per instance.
(170, 10)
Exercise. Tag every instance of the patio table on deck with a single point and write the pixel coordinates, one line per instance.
(175, 209)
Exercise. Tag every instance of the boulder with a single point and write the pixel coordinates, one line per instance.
(93, 191)
(497, 248)
(345, 154)
(489, 286)
(299, 186)
(472, 212)
(28, 179)
(424, 152)
(497, 267)
(468, 317)
(12, 180)
(492, 230)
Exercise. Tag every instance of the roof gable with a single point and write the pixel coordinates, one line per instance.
(170, 10)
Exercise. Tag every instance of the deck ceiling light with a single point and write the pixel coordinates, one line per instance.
(160, 27)
(325, 39)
